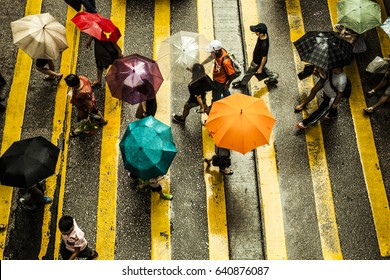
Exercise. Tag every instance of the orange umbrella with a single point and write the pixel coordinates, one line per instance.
(240, 122)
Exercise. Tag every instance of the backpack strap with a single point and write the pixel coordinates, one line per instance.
(223, 59)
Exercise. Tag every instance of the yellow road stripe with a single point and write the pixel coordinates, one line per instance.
(160, 216)
(14, 118)
(215, 192)
(272, 212)
(106, 216)
(60, 131)
(368, 156)
(330, 241)
(383, 37)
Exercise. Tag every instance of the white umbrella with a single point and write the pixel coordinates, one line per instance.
(40, 36)
(179, 52)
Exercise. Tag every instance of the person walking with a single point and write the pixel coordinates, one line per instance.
(334, 86)
(34, 197)
(385, 82)
(148, 107)
(83, 99)
(153, 184)
(223, 70)
(105, 54)
(321, 74)
(260, 58)
(49, 71)
(221, 159)
(73, 244)
(199, 85)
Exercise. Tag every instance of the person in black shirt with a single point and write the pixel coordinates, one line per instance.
(199, 85)
(259, 60)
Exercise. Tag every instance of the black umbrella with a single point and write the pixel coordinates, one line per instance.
(26, 162)
(324, 49)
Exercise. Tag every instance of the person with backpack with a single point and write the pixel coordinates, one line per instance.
(334, 86)
(199, 85)
(223, 70)
(259, 60)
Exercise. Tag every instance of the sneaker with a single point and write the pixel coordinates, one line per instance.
(94, 255)
(47, 200)
(167, 196)
(238, 85)
(178, 118)
(227, 171)
(27, 206)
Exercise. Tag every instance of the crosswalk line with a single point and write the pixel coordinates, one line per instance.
(60, 132)
(215, 193)
(14, 117)
(160, 215)
(272, 213)
(108, 179)
(330, 241)
(368, 155)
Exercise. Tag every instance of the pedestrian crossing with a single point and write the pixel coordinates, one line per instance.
(305, 223)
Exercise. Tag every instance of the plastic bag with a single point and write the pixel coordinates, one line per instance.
(378, 65)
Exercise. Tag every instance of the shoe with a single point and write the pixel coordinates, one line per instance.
(300, 126)
(207, 161)
(96, 85)
(73, 134)
(327, 117)
(227, 171)
(238, 85)
(3, 226)
(47, 200)
(49, 78)
(94, 256)
(59, 78)
(178, 118)
(26, 206)
(371, 92)
(369, 110)
(104, 121)
(167, 196)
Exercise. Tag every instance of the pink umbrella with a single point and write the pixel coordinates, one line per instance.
(134, 78)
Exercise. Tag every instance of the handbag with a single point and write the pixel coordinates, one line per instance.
(378, 65)
(75, 4)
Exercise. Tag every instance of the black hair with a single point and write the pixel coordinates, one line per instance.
(197, 69)
(66, 223)
(72, 80)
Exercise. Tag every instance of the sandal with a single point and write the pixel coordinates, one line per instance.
(371, 92)
(369, 110)
(299, 108)
(73, 134)
(301, 126)
(59, 78)
(3, 226)
(227, 172)
(94, 256)
(49, 78)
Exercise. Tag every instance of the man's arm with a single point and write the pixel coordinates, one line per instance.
(207, 60)
(75, 253)
(262, 63)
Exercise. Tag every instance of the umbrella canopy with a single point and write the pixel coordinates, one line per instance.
(386, 26)
(324, 49)
(240, 122)
(27, 162)
(40, 36)
(147, 148)
(134, 78)
(359, 15)
(179, 53)
(97, 26)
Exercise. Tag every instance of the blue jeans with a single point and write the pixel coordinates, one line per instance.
(219, 91)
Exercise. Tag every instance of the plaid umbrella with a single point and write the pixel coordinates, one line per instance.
(324, 49)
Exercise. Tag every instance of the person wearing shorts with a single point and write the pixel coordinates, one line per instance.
(385, 82)
(49, 71)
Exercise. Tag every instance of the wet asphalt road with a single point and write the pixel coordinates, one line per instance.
(189, 232)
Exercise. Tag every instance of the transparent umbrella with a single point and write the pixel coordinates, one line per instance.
(179, 53)
(40, 36)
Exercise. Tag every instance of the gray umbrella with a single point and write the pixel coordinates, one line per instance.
(324, 49)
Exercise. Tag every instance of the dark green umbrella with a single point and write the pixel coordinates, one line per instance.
(147, 148)
(359, 15)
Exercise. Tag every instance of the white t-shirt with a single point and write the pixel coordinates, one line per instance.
(339, 82)
(75, 239)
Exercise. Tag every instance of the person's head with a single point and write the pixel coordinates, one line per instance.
(260, 28)
(198, 70)
(66, 224)
(215, 48)
(72, 80)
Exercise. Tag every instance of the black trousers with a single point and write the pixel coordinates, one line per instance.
(325, 107)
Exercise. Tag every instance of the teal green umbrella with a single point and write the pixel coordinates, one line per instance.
(147, 148)
(359, 15)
